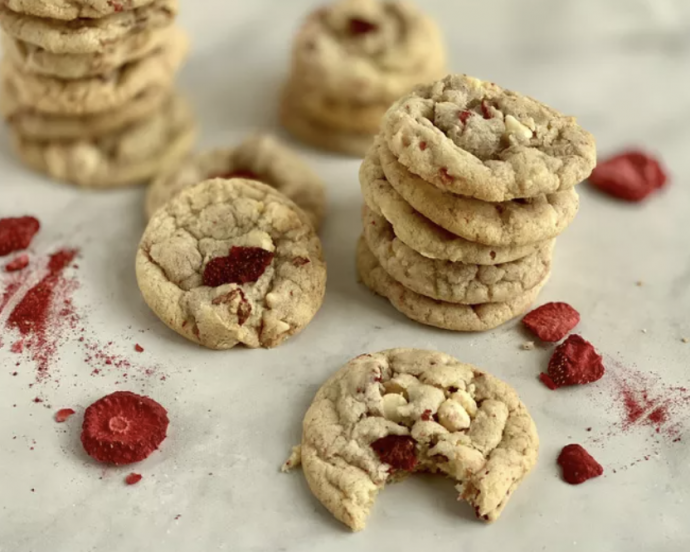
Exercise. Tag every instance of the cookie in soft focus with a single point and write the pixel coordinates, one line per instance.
(229, 262)
(406, 411)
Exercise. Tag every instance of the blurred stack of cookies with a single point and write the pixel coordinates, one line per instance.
(351, 60)
(87, 88)
(466, 187)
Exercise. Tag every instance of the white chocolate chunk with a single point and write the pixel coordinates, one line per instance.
(423, 399)
(453, 416)
(466, 401)
(391, 403)
(516, 128)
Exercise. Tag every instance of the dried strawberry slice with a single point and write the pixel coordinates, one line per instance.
(578, 465)
(16, 233)
(631, 176)
(575, 362)
(242, 266)
(552, 321)
(123, 428)
(399, 451)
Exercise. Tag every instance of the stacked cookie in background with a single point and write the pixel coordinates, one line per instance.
(350, 62)
(87, 88)
(466, 188)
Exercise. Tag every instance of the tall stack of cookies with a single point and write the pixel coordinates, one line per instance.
(351, 60)
(466, 188)
(87, 88)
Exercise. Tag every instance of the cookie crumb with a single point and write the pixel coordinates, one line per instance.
(686, 340)
(294, 461)
(639, 283)
(527, 346)
(644, 331)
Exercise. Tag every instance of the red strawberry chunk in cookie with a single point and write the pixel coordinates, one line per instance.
(399, 451)
(631, 176)
(243, 265)
(123, 428)
(552, 322)
(575, 362)
(578, 465)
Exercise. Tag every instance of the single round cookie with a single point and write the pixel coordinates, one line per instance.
(516, 222)
(440, 314)
(232, 261)
(387, 415)
(261, 157)
(367, 51)
(97, 94)
(31, 124)
(318, 134)
(129, 156)
(86, 35)
(419, 233)
(73, 9)
(473, 138)
(452, 282)
(80, 66)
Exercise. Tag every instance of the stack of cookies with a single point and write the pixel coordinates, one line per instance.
(466, 188)
(350, 62)
(87, 88)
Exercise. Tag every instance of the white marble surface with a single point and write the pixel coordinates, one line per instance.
(621, 66)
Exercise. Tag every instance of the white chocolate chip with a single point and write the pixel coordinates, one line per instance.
(453, 416)
(516, 128)
(466, 401)
(391, 403)
(423, 399)
(272, 300)
(528, 345)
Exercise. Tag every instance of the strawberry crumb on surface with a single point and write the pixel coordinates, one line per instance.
(63, 415)
(138, 348)
(133, 478)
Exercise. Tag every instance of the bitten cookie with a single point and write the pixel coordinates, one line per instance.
(260, 157)
(386, 415)
(440, 314)
(97, 94)
(87, 35)
(449, 281)
(422, 235)
(232, 261)
(473, 138)
(129, 156)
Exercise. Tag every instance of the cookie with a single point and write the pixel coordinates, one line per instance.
(440, 314)
(68, 10)
(448, 281)
(516, 222)
(260, 157)
(473, 138)
(422, 235)
(367, 52)
(34, 59)
(97, 94)
(387, 415)
(34, 125)
(319, 135)
(84, 36)
(130, 156)
(232, 261)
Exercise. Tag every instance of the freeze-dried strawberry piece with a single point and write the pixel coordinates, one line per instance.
(575, 362)
(397, 450)
(552, 322)
(631, 176)
(578, 465)
(546, 380)
(123, 428)
(18, 263)
(133, 478)
(63, 415)
(242, 266)
(16, 233)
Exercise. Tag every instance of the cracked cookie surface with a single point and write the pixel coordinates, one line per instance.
(260, 157)
(474, 138)
(516, 222)
(366, 51)
(232, 261)
(449, 281)
(87, 35)
(440, 314)
(97, 94)
(128, 156)
(386, 415)
(421, 234)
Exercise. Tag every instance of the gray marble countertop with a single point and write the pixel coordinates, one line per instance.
(623, 68)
